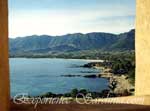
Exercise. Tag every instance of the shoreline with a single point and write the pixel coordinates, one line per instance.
(122, 82)
(88, 60)
(118, 83)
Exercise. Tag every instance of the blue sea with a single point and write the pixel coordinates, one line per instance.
(38, 76)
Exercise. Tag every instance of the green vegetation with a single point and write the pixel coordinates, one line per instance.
(51, 46)
(124, 63)
(120, 63)
(83, 92)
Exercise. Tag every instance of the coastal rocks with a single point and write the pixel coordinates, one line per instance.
(86, 76)
(92, 64)
(69, 75)
(120, 85)
(88, 72)
(105, 75)
(90, 76)
(97, 64)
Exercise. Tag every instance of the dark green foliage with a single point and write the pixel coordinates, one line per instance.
(49, 94)
(122, 63)
(74, 92)
(67, 95)
(83, 91)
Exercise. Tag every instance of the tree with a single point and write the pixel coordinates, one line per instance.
(74, 92)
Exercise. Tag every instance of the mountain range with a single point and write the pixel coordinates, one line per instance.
(73, 42)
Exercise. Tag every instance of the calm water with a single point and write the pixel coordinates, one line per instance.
(38, 76)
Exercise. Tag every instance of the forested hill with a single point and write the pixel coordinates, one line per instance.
(73, 42)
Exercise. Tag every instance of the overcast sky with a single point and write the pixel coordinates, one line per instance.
(59, 17)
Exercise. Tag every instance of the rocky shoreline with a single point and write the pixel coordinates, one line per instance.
(118, 83)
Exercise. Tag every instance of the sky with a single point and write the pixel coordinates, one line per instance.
(59, 17)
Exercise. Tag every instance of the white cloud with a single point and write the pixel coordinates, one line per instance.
(56, 22)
